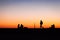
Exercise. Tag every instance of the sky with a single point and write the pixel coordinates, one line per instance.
(29, 12)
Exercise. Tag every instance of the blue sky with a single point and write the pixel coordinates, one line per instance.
(14, 1)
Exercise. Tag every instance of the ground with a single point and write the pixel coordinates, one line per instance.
(30, 33)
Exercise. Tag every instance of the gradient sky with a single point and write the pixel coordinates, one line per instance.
(28, 12)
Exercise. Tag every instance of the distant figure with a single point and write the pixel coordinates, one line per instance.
(34, 25)
(53, 26)
(21, 26)
(18, 25)
(41, 23)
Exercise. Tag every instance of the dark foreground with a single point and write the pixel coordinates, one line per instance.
(47, 34)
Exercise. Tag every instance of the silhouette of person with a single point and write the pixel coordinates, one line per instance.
(53, 26)
(21, 26)
(41, 23)
(18, 25)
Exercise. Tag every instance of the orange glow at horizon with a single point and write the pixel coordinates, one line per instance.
(28, 23)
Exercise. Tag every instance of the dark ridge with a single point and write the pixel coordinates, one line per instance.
(30, 33)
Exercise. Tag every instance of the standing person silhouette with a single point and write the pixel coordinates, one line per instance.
(41, 23)
(18, 25)
(21, 26)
